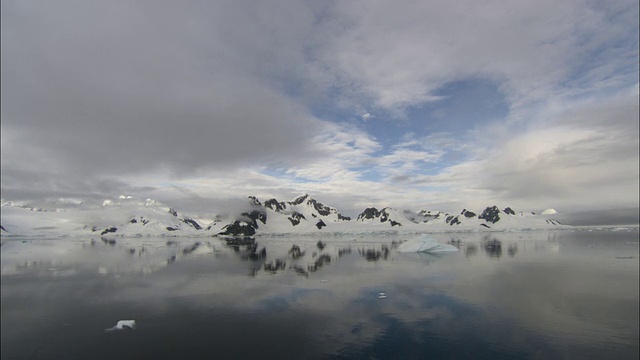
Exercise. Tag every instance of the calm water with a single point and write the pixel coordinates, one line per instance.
(566, 294)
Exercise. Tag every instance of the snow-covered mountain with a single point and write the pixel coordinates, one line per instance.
(302, 215)
(125, 216)
(490, 218)
(131, 217)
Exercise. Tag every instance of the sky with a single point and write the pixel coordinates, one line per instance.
(435, 105)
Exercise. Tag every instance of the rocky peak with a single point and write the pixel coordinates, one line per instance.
(299, 200)
(490, 214)
(468, 214)
(275, 205)
(368, 214)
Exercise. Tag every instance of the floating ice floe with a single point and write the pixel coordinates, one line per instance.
(425, 245)
(123, 324)
(382, 295)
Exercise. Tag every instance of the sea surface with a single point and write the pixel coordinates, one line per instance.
(507, 295)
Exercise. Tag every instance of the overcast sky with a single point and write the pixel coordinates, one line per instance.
(420, 104)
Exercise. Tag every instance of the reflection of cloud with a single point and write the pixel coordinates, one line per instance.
(491, 301)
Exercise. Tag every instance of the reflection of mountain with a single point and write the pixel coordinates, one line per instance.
(453, 308)
(299, 261)
(130, 217)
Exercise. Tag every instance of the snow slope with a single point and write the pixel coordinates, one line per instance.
(125, 216)
(131, 217)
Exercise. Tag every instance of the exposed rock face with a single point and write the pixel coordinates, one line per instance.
(256, 215)
(368, 214)
(275, 205)
(320, 224)
(425, 216)
(254, 201)
(295, 218)
(384, 215)
(453, 220)
(239, 228)
(246, 225)
(490, 214)
(468, 214)
(109, 230)
(345, 218)
(192, 223)
(319, 207)
(299, 200)
(509, 211)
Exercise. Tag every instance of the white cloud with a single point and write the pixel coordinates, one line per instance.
(397, 56)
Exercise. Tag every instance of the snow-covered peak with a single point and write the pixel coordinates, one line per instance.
(549, 212)
(130, 216)
(390, 215)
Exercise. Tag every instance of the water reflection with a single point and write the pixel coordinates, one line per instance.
(543, 300)
(374, 254)
(493, 248)
(470, 250)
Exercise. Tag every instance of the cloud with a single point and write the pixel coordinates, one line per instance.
(195, 102)
(399, 56)
(581, 157)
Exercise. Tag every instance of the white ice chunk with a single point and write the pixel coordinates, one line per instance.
(123, 324)
(425, 245)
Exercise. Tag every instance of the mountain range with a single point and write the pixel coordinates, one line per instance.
(131, 217)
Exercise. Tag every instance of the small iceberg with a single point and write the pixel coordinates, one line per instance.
(425, 245)
(123, 324)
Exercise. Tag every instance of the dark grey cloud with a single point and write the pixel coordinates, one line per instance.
(127, 87)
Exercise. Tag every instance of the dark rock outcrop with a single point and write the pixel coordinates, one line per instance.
(490, 214)
(192, 223)
(468, 214)
(275, 205)
(368, 214)
(254, 216)
(295, 218)
(320, 224)
(254, 201)
(299, 200)
(509, 211)
(109, 230)
(239, 228)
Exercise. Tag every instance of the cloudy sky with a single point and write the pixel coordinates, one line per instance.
(420, 104)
